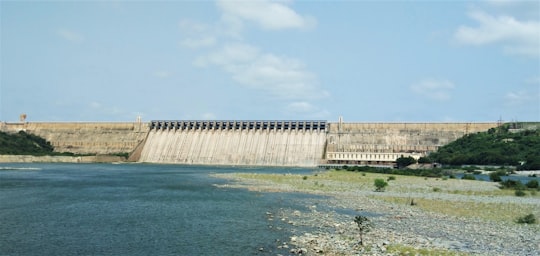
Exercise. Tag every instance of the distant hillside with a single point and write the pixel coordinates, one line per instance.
(497, 146)
(22, 143)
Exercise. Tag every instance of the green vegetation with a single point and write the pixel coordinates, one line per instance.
(496, 175)
(497, 146)
(436, 172)
(22, 143)
(364, 225)
(380, 184)
(468, 177)
(400, 191)
(403, 162)
(398, 249)
(527, 219)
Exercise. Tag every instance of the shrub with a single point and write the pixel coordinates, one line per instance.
(380, 185)
(519, 193)
(436, 189)
(304, 178)
(468, 177)
(532, 184)
(512, 184)
(391, 178)
(496, 176)
(527, 219)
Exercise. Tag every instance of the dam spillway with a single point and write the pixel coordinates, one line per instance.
(246, 143)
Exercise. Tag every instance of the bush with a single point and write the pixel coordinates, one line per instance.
(527, 219)
(512, 184)
(380, 185)
(468, 177)
(519, 193)
(496, 176)
(391, 178)
(532, 184)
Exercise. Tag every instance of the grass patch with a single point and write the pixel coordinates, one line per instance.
(409, 250)
(502, 212)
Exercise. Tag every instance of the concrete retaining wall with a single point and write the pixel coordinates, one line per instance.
(59, 159)
(86, 138)
(397, 137)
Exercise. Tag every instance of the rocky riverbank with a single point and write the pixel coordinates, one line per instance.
(415, 216)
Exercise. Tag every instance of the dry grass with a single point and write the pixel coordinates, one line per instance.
(504, 212)
(409, 250)
(430, 193)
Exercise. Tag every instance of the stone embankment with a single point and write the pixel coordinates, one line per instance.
(400, 228)
(60, 159)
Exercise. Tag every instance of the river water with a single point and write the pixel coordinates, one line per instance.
(137, 209)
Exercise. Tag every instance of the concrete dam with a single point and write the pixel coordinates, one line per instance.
(248, 143)
(251, 143)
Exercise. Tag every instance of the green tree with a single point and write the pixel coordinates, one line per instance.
(364, 225)
(424, 160)
(496, 146)
(403, 162)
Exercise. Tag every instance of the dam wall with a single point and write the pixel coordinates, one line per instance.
(249, 143)
(379, 143)
(85, 137)
(246, 143)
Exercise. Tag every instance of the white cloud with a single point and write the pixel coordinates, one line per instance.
(439, 90)
(282, 77)
(522, 97)
(69, 35)
(528, 94)
(267, 14)
(517, 37)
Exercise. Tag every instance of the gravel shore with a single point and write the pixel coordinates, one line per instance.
(399, 228)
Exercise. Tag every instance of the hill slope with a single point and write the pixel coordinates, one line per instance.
(497, 146)
(22, 143)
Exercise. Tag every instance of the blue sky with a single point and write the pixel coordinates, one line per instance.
(368, 61)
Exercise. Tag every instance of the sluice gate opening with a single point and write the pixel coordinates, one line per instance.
(317, 125)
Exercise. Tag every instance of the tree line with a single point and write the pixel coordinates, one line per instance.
(497, 146)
